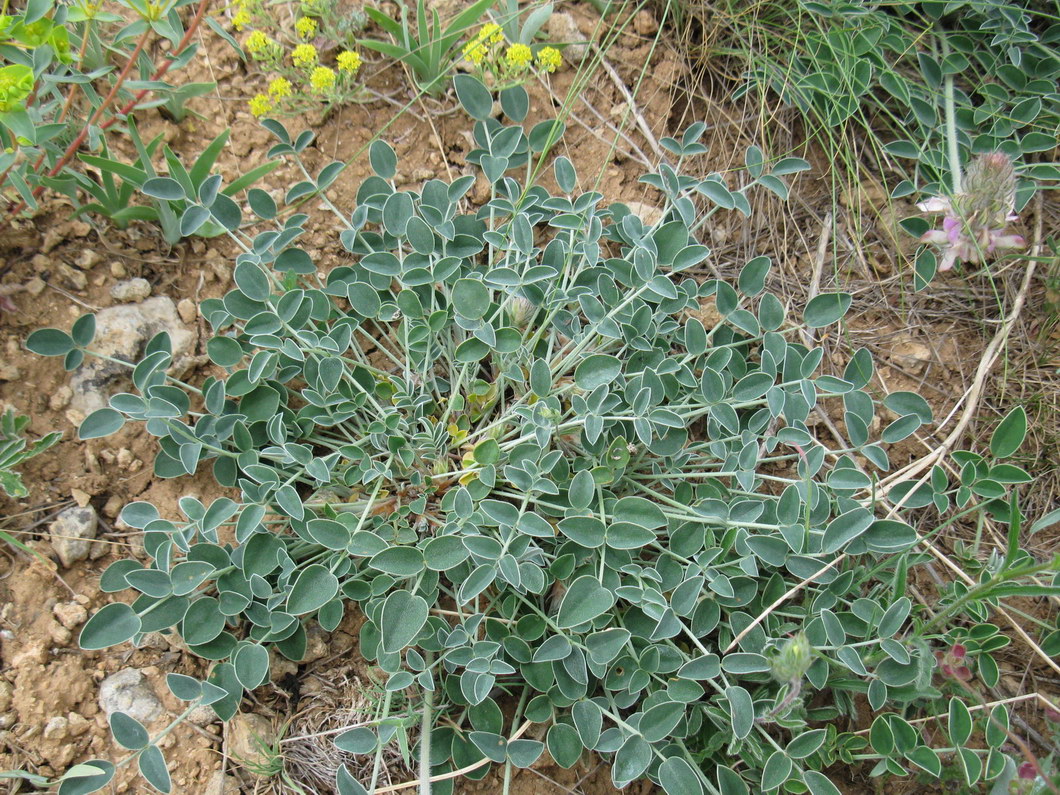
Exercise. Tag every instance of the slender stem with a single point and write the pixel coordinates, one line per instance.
(378, 762)
(951, 122)
(425, 737)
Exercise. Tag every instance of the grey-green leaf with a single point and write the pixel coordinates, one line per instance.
(585, 600)
(112, 624)
(826, 308)
(401, 619)
(314, 588)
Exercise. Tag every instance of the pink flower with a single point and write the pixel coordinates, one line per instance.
(953, 663)
(1027, 770)
(974, 226)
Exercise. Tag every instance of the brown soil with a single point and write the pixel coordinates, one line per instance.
(70, 266)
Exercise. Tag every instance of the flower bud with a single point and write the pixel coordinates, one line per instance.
(792, 658)
(520, 311)
(974, 226)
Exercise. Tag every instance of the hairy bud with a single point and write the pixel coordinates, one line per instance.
(521, 311)
(974, 226)
(792, 658)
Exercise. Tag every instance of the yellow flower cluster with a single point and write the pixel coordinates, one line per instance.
(549, 59)
(303, 77)
(260, 105)
(306, 27)
(491, 33)
(484, 41)
(484, 50)
(349, 61)
(322, 80)
(280, 88)
(258, 43)
(518, 56)
(304, 55)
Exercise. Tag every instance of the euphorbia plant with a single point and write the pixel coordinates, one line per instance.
(506, 434)
(60, 91)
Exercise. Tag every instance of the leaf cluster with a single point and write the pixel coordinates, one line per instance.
(507, 435)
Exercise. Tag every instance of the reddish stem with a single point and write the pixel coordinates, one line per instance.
(71, 150)
(200, 12)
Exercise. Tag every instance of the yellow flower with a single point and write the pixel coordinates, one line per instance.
(280, 88)
(349, 61)
(260, 105)
(475, 51)
(491, 33)
(241, 19)
(258, 42)
(518, 56)
(304, 55)
(322, 79)
(549, 59)
(306, 27)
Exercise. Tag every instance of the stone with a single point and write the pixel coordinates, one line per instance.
(113, 506)
(131, 290)
(250, 735)
(563, 30)
(60, 636)
(70, 614)
(88, 259)
(280, 666)
(8, 372)
(122, 332)
(60, 398)
(129, 691)
(645, 212)
(203, 716)
(221, 784)
(117, 269)
(77, 724)
(73, 277)
(35, 286)
(644, 23)
(72, 532)
(316, 644)
(911, 355)
(186, 310)
(57, 728)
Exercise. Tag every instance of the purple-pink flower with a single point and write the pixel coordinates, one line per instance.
(974, 226)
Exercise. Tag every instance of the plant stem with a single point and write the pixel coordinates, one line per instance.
(951, 122)
(377, 764)
(425, 737)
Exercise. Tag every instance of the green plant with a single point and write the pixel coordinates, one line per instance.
(507, 435)
(115, 183)
(537, 16)
(909, 92)
(60, 93)
(502, 65)
(14, 451)
(300, 80)
(426, 47)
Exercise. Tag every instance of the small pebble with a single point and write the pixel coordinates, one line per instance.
(88, 259)
(186, 310)
(131, 290)
(60, 399)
